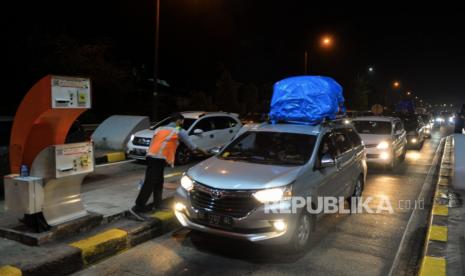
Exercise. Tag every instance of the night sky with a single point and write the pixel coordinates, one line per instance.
(258, 41)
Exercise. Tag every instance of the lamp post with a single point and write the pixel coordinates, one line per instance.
(325, 42)
(155, 64)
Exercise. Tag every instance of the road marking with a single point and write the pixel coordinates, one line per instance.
(116, 157)
(440, 210)
(173, 174)
(163, 215)
(428, 178)
(9, 270)
(432, 266)
(115, 163)
(99, 243)
(437, 233)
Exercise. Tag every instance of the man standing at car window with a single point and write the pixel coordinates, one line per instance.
(162, 151)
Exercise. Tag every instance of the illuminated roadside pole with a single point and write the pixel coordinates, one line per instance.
(155, 64)
(325, 42)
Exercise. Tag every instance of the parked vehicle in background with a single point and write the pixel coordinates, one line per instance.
(384, 138)
(226, 194)
(416, 130)
(207, 130)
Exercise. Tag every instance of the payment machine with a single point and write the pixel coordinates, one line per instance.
(51, 195)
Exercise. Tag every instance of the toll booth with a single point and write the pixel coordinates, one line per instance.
(51, 194)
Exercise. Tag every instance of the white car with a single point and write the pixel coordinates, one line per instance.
(384, 137)
(207, 130)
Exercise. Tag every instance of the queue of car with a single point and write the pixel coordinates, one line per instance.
(262, 162)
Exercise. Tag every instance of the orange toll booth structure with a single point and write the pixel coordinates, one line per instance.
(45, 116)
(51, 194)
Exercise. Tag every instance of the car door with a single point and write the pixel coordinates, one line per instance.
(206, 139)
(399, 138)
(328, 177)
(355, 165)
(222, 130)
(234, 126)
(344, 161)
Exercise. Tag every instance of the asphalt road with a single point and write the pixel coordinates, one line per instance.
(343, 244)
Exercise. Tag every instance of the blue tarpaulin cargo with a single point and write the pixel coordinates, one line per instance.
(306, 99)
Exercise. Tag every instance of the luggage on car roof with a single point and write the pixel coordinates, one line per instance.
(306, 99)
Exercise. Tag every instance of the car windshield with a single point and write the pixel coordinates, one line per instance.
(186, 125)
(410, 123)
(372, 127)
(276, 148)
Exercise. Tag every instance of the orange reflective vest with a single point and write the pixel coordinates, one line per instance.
(164, 144)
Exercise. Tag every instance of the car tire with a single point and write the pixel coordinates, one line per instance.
(183, 155)
(357, 194)
(302, 232)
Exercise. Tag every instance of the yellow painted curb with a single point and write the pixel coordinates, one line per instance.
(440, 210)
(437, 233)
(163, 215)
(95, 244)
(9, 270)
(433, 266)
(116, 157)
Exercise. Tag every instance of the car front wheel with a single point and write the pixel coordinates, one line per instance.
(304, 227)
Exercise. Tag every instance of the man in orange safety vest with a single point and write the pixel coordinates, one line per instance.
(162, 151)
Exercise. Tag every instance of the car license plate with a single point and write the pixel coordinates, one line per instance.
(217, 220)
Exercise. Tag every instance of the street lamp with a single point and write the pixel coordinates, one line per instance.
(325, 42)
(409, 93)
(396, 84)
(371, 69)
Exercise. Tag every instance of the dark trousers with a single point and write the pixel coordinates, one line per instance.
(153, 183)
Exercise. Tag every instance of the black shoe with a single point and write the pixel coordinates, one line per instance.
(137, 214)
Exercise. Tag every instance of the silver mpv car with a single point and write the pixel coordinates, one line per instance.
(236, 193)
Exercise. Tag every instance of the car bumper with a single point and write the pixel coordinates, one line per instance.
(255, 227)
(377, 156)
(136, 152)
(413, 141)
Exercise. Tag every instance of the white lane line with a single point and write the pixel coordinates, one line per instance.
(115, 163)
(173, 174)
(429, 178)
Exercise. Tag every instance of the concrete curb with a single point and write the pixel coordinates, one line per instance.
(80, 254)
(111, 157)
(434, 256)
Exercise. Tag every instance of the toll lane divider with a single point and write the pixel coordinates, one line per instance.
(434, 260)
(82, 253)
(111, 157)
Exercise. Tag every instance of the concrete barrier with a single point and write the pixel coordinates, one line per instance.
(458, 179)
(115, 131)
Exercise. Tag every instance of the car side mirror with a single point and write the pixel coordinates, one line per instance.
(198, 131)
(327, 162)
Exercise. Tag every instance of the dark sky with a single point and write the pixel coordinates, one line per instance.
(259, 41)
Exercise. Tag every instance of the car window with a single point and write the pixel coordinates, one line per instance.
(327, 147)
(231, 122)
(274, 148)
(398, 126)
(342, 142)
(372, 127)
(221, 122)
(205, 124)
(354, 137)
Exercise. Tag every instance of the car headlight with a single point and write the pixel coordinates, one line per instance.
(383, 145)
(273, 195)
(451, 119)
(132, 138)
(187, 183)
(439, 120)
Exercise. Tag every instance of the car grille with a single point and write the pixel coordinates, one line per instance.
(141, 141)
(231, 203)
